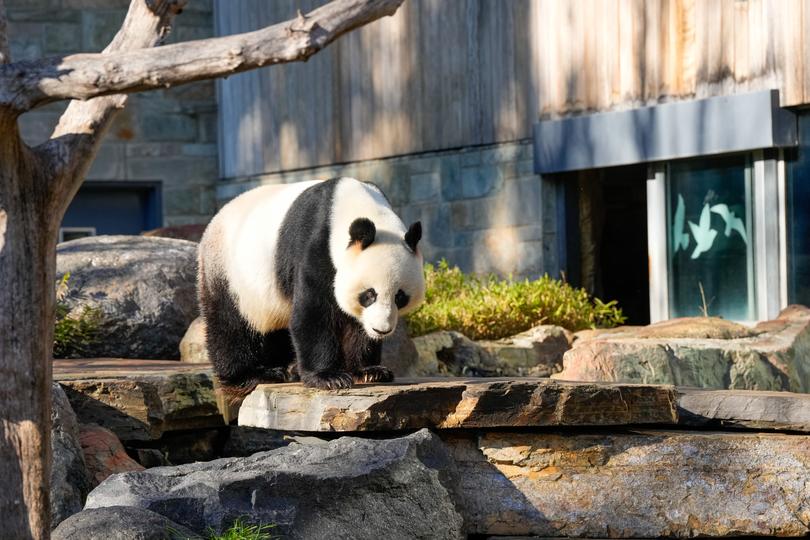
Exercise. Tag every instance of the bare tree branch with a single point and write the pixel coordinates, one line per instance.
(72, 145)
(83, 76)
(5, 51)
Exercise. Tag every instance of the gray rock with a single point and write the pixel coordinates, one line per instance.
(399, 353)
(452, 353)
(246, 441)
(347, 488)
(771, 356)
(537, 352)
(70, 482)
(120, 523)
(145, 289)
(192, 347)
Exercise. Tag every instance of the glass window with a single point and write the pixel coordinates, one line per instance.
(798, 218)
(709, 235)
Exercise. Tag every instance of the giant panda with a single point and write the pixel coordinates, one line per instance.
(304, 280)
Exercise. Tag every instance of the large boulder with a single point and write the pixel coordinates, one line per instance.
(103, 453)
(120, 523)
(633, 484)
(69, 479)
(701, 352)
(347, 488)
(399, 354)
(143, 288)
(537, 352)
(450, 353)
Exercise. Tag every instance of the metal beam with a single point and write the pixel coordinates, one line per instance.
(718, 125)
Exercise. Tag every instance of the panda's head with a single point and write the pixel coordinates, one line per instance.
(380, 276)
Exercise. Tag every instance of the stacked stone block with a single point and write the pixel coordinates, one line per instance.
(167, 135)
(482, 208)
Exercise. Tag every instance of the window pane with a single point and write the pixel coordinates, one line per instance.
(798, 218)
(710, 243)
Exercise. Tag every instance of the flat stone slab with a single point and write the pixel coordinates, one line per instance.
(140, 399)
(636, 484)
(457, 403)
(784, 411)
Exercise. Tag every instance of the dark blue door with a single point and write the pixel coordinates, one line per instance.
(113, 208)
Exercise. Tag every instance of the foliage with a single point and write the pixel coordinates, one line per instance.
(73, 334)
(487, 307)
(242, 531)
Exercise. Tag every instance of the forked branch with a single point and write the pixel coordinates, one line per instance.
(5, 51)
(71, 148)
(26, 85)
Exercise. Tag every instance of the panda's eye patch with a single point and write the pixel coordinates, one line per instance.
(367, 297)
(401, 299)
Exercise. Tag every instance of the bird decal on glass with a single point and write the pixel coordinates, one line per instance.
(733, 223)
(680, 239)
(703, 233)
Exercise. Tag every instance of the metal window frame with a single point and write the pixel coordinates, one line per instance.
(657, 242)
(63, 230)
(769, 227)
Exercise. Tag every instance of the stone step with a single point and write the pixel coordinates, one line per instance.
(140, 399)
(633, 484)
(143, 399)
(457, 403)
(784, 411)
(516, 402)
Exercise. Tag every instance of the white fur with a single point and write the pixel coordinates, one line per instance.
(240, 244)
(387, 265)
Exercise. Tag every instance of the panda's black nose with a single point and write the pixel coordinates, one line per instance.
(383, 333)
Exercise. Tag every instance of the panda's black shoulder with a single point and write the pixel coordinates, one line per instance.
(306, 229)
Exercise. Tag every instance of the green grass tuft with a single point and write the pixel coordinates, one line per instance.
(242, 531)
(487, 307)
(73, 334)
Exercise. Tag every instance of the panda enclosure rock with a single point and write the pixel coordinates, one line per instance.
(347, 488)
(144, 289)
(535, 458)
(70, 481)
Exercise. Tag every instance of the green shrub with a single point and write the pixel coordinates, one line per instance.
(487, 307)
(242, 531)
(73, 334)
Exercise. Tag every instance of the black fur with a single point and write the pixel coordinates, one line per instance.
(331, 347)
(413, 235)
(242, 357)
(362, 230)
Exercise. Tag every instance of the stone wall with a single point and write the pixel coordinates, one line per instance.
(482, 208)
(166, 135)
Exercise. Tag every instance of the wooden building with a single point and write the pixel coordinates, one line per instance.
(654, 151)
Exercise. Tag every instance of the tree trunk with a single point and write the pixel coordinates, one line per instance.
(36, 186)
(27, 266)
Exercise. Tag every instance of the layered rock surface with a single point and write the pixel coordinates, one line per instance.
(456, 403)
(639, 484)
(69, 479)
(708, 353)
(140, 399)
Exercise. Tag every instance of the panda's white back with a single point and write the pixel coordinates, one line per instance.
(240, 242)
(240, 245)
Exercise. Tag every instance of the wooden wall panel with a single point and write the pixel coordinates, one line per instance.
(452, 73)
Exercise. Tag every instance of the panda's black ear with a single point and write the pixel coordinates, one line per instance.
(413, 235)
(362, 230)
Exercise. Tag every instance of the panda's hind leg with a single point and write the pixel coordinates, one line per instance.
(242, 357)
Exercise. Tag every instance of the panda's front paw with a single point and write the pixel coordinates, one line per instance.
(371, 374)
(328, 380)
